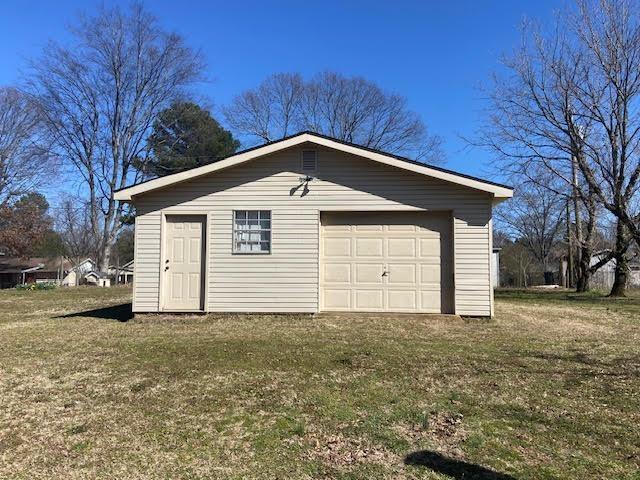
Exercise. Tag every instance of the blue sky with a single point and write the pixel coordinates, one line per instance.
(436, 53)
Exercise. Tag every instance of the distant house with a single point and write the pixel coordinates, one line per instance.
(122, 274)
(76, 275)
(15, 271)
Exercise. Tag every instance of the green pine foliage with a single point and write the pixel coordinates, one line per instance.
(186, 136)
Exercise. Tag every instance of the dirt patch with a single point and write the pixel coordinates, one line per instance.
(340, 451)
(443, 430)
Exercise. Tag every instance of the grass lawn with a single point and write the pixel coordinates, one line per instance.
(548, 389)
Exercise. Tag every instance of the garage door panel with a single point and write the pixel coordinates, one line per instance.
(401, 228)
(396, 261)
(430, 247)
(402, 273)
(369, 247)
(430, 274)
(369, 299)
(337, 247)
(337, 228)
(369, 272)
(401, 247)
(430, 300)
(337, 272)
(367, 228)
(337, 299)
(399, 300)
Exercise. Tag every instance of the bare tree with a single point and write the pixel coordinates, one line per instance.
(352, 109)
(99, 97)
(73, 223)
(536, 220)
(270, 111)
(569, 106)
(24, 161)
(607, 96)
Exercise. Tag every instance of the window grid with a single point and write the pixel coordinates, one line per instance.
(252, 231)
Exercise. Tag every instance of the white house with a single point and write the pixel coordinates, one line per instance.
(122, 274)
(76, 274)
(308, 224)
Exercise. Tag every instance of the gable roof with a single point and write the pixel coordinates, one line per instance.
(127, 267)
(498, 190)
(32, 264)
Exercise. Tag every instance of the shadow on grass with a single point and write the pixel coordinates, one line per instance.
(121, 313)
(582, 365)
(453, 468)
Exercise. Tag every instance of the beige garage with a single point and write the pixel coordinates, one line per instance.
(311, 224)
(386, 261)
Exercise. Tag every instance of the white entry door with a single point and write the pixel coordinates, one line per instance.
(386, 261)
(183, 265)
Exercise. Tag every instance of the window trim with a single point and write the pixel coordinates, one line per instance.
(234, 250)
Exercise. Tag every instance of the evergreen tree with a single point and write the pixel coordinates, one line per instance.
(186, 136)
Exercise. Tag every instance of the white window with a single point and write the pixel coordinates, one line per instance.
(309, 161)
(251, 231)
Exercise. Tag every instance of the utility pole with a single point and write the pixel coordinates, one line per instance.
(570, 248)
(576, 210)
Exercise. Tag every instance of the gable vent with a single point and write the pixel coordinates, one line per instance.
(309, 161)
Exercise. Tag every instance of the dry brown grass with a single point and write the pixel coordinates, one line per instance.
(549, 389)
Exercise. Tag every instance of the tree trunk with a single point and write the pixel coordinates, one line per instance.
(620, 280)
(569, 276)
(584, 266)
(585, 269)
(584, 272)
(117, 270)
(620, 256)
(105, 257)
(583, 284)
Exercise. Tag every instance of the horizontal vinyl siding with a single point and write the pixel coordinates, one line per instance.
(471, 254)
(146, 275)
(287, 279)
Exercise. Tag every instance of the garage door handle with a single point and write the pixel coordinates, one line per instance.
(385, 273)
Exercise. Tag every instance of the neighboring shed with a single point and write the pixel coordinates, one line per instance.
(605, 275)
(309, 224)
(495, 268)
(98, 279)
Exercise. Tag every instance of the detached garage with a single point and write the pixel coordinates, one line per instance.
(309, 224)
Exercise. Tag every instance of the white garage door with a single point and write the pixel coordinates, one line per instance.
(386, 261)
